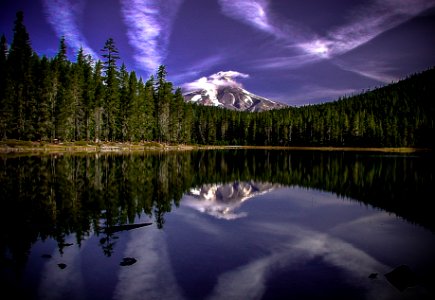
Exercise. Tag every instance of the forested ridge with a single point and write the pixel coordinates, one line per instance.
(47, 99)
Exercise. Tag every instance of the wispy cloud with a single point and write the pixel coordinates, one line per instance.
(371, 20)
(149, 25)
(285, 62)
(62, 15)
(376, 70)
(312, 94)
(195, 69)
(365, 23)
(320, 94)
(257, 13)
(254, 13)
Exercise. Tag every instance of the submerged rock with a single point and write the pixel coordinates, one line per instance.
(402, 277)
(61, 266)
(128, 261)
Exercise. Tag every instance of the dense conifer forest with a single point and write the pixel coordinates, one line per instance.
(47, 99)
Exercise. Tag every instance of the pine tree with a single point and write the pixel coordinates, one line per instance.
(61, 54)
(44, 94)
(52, 95)
(64, 114)
(78, 104)
(19, 72)
(98, 97)
(163, 99)
(124, 102)
(111, 128)
(88, 93)
(5, 105)
(187, 124)
(176, 116)
(132, 109)
(147, 118)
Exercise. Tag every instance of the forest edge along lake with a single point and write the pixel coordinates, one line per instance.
(14, 146)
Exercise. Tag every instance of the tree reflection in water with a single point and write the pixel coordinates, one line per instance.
(53, 196)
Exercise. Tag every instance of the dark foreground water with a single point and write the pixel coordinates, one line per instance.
(218, 225)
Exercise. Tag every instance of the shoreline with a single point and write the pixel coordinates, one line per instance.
(24, 147)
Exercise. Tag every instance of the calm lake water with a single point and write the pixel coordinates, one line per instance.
(245, 224)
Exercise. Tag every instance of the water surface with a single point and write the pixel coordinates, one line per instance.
(241, 224)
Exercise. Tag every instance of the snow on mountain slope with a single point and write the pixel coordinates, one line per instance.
(222, 90)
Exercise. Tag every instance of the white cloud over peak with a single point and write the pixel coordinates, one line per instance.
(227, 75)
(222, 78)
(149, 25)
(62, 15)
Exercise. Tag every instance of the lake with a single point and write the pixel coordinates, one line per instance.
(236, 224)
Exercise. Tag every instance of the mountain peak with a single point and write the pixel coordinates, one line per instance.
(221, 90)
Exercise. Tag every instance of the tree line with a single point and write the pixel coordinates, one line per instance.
(44, 99)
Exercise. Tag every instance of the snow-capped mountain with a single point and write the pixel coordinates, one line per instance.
(222, 90)
(223, 200)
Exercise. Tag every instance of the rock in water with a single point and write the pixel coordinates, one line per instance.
(402, 277)
(128, 261)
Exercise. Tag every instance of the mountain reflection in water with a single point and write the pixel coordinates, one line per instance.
(221, 200)
(309, 229)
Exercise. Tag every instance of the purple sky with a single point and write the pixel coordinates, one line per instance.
(296, 52)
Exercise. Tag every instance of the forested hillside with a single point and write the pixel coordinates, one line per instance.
(400, 114)
(53, 98)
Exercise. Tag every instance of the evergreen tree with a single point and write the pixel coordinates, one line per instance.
(124, 103)
(187, 124)
(98, 98)
(78, 103)
(176, 117)
(5, 105)
(147, 117)
(61, 54)
(84, 63)
(64, 114)
(132, 108)
(44, 94)
(52, 95)
(163, 99)
(19, 72)
(111, 127)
